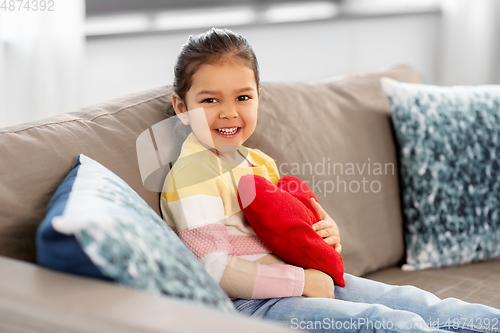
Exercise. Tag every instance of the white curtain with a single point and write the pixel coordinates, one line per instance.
(41, 59)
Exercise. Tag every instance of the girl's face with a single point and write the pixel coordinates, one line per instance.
(229, 98)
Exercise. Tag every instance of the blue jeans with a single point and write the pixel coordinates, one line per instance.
(368, 306)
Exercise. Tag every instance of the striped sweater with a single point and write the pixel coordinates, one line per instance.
(199, 201)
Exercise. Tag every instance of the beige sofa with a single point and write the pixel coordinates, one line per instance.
(306, 127)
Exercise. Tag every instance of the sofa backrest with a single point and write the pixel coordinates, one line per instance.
(340, 120)
(36, 157)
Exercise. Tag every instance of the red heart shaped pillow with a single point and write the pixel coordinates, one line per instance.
(282, 217)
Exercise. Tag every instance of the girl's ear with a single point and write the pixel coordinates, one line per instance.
(180, 108)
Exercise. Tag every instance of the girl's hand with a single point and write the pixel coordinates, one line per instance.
(318, 284)
(327, 228)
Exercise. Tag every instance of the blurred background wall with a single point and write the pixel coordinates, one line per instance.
(82, 52)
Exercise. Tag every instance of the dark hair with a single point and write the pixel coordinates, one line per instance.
(211, 47)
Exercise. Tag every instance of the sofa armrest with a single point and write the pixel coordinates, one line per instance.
(36, 299)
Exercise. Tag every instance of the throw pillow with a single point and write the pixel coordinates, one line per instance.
(97, 226)
(449, 149)
(282, 217)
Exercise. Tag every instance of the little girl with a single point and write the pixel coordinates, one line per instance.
(216, 94)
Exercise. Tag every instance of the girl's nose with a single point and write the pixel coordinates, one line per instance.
(228, 112)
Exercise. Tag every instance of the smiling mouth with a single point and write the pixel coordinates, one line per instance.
(227, 130)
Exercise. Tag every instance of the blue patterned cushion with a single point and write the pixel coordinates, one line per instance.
(449, 149)
(97, 226)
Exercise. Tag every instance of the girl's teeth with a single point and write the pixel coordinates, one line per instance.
(228, 130)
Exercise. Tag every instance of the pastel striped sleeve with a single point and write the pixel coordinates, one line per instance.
(192, 205)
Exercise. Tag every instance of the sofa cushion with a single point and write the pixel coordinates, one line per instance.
(449, 142)
(336, 135)
(97, 226)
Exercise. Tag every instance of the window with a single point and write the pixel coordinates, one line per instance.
(112, 17)
(107, 7)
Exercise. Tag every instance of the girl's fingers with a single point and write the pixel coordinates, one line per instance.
(321, 225)
(324, 233)
(319, 209)
(324, 224)
(325, 228)
(332, 240)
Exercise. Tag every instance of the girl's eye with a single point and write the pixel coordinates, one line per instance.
(213, 100)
